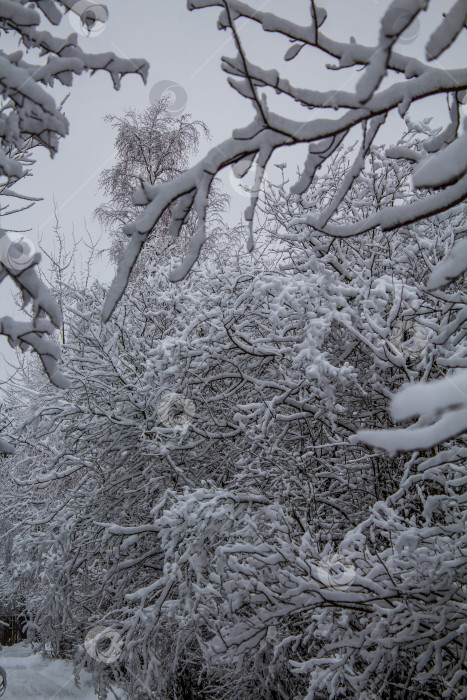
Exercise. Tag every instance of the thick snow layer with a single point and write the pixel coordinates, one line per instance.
(29, 676)
(448, 395)
(449, 268)
(443, 168)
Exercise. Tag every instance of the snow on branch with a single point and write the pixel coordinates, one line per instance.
(35, 334)
(30, 111)
(29, 117)
(450, 268)
(442, 407)
(366, 107)
(189, 190)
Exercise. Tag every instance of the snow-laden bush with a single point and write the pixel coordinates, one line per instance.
(252, 547)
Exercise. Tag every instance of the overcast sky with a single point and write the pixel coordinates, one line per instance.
(184, 48)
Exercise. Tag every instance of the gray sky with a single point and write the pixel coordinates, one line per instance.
(185, 48)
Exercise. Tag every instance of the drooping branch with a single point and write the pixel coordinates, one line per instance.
(371, 101)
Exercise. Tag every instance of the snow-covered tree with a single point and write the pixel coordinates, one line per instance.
(386, 83)
(30, 118)
(210, 539)
(152, 146)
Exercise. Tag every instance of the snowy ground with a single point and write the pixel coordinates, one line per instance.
(29, 677)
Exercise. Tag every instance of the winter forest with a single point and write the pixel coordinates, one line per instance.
(234, 467)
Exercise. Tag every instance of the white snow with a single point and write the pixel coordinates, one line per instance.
(31, 677)
(443, 168)
(448, 395)
(451, 267)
